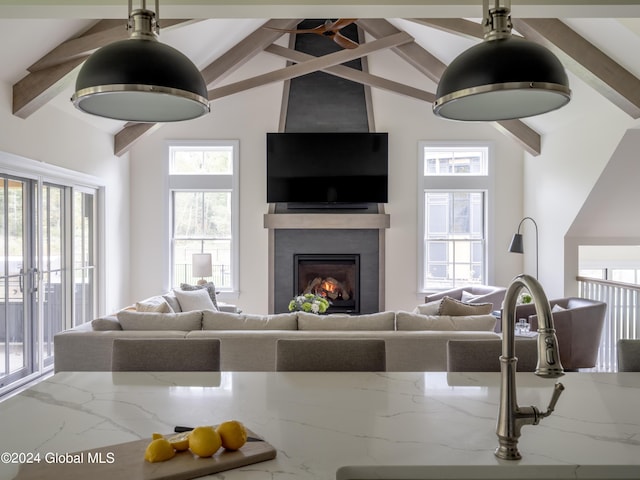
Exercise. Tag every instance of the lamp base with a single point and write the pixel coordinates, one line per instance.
(202, 281)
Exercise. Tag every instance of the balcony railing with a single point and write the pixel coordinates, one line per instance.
(622, 319)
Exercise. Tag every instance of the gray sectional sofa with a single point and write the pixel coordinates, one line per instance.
(414, 341)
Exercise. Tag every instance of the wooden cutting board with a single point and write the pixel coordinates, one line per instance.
(126, 460)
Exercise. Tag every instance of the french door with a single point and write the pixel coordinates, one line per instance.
(47, 265)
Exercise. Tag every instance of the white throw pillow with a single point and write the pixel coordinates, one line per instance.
(468, 297)
(156, 304)
(194, 300)
(430, 308)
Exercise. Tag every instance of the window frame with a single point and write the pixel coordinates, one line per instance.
(202, 183)
(451, 183)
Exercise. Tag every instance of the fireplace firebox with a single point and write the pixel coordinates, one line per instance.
(333, 276)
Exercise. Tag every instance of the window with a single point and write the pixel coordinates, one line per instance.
(203, 183)
(453, 205)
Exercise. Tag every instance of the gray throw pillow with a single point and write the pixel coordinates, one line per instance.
(453, 307)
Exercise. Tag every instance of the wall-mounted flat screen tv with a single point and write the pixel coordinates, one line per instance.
(322, 167)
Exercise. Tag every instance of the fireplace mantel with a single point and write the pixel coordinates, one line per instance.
(327, 220)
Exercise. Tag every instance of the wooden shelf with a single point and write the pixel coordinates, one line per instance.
(327, 220)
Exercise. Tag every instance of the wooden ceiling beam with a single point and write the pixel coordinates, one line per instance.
(586, 61)
(246, 49)
(102, 33)
(228, 62)
(355, 75)
(433, 68)
(458, 26)
(317, 63)
(37, 88)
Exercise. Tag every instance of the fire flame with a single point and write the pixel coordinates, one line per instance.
(329, 287)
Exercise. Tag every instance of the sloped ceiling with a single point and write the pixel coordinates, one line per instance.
(50, 42)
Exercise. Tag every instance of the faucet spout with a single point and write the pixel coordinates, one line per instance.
(511, 417)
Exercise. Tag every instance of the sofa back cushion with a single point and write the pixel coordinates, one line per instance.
(185, 321)
(372, 321)
(234, 321)
(474, 323)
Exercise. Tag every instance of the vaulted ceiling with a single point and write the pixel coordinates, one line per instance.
(41, 57)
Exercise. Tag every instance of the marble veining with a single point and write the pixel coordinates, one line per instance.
(320, 422)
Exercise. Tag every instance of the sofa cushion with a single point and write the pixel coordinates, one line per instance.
(411, 322)
(185, 321)
(212, 320)
(453, 307)
(191, 300)
(372, 321)
(209, 287)
(430, 308)
(105, 324)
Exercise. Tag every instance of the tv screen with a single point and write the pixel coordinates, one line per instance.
(336, 167)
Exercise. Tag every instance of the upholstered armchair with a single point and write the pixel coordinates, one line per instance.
(473, 294)
(578, 323)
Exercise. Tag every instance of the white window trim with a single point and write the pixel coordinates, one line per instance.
(480, 183)
(200, 183)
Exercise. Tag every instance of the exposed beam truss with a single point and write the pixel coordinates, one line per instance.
(55, 71)
(433, 68)
(224, 65)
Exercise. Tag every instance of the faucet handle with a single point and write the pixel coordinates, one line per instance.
(557, 390)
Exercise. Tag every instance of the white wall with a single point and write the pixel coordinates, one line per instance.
(247, 116)
(558, 181)
(57, 138)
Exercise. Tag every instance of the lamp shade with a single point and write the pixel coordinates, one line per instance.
(141, 79)
(201, 265)
(500, 79)
(516, 244)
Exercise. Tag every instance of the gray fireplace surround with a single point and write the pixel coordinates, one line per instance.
(316, 232)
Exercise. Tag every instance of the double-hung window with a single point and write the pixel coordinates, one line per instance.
(203, 184)
(453, 204)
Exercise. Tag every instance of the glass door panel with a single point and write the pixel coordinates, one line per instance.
(84, 258)
(53, 289)
(16, 302)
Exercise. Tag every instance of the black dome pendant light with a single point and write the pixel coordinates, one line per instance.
(140, 79)
(502, 78)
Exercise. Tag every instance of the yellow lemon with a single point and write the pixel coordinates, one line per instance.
(233, 434)
(180, 441)
(204, 441)
(155, 436)
(159, 450)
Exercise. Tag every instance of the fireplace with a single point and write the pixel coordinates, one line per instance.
(333, 276)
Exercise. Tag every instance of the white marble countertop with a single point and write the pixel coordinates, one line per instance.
(321, 421)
